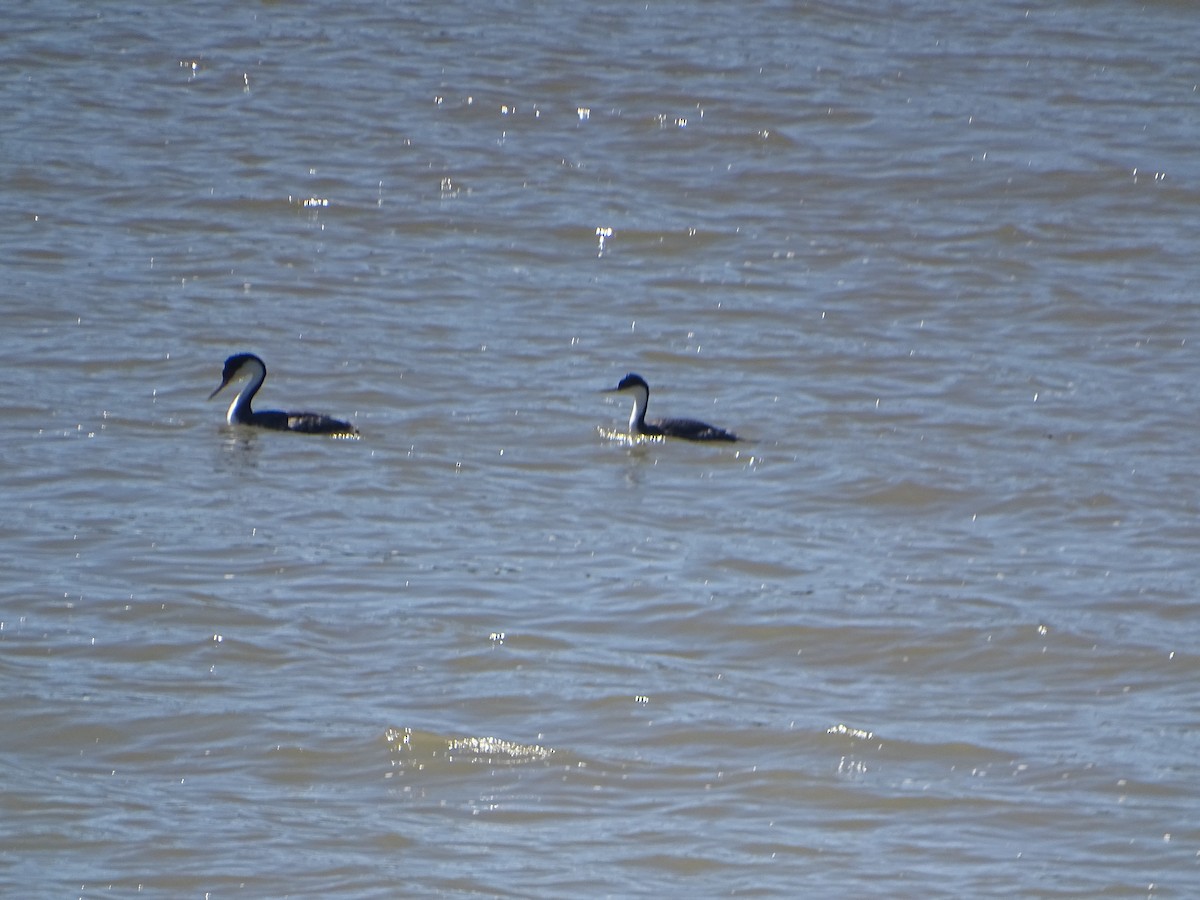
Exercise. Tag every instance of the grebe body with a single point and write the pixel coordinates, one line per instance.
(687, 429)
(249, 367)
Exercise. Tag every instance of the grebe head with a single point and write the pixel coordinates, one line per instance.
(631, 382)
(635, 384)
(237, 366)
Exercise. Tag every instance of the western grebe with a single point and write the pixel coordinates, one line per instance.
(250, 367)
(688, 429)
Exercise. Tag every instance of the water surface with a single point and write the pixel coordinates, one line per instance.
(929, 631)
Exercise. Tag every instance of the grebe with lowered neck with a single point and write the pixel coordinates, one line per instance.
(688, 429)
(254, 370)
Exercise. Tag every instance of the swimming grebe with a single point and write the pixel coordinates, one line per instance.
(250, 367)
(688, 429)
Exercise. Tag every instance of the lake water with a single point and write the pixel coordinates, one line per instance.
(931, 630)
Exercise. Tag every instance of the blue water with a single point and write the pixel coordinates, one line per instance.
(929, 631)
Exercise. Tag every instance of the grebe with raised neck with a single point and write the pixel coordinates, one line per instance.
(254, 370)
(688, 429)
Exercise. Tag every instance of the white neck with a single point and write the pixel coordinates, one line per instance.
(255, 374)
(640, 397)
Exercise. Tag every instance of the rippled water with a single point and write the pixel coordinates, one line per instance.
(930, 631)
